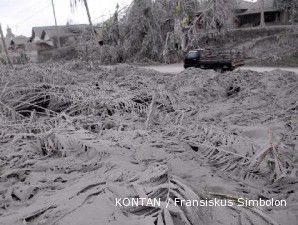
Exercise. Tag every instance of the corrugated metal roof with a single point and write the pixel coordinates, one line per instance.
(268, 4)
(256, 7)
(242, 4)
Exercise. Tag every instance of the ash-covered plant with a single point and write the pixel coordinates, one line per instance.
(156, 182)
(215, 14)
(142, 30)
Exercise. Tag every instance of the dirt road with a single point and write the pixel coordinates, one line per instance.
(176, 68)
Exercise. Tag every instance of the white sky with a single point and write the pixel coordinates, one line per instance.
(22, 15)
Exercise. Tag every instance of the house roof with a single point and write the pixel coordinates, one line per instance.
(256, 7)
(17, 40)
(268, 5)
(51, 31)
(20, 40)
(242, 4)
(244, 7)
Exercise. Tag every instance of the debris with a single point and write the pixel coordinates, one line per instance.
(98, 132)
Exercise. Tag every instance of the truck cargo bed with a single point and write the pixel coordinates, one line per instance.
(209, 60)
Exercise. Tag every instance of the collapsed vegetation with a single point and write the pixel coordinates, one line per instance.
(162, 31)
(73, 137)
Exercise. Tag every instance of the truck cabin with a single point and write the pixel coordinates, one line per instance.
(194, 54)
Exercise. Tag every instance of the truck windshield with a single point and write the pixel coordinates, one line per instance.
(192, 55)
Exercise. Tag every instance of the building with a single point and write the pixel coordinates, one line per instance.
(17, 46)
(9, 36)
(50, 37)
(18, 43)
(14, 43)
(248, 14)
(51, 42)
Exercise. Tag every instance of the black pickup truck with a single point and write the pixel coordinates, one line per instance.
(204, 59)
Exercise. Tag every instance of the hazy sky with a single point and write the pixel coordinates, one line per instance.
(22, 15)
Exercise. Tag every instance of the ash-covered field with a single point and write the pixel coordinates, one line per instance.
(75, 137)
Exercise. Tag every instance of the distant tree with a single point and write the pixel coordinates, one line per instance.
(74, 3)
(115, 35)
(216, 14)
(110, 29)
(290, 6)
(142, 30)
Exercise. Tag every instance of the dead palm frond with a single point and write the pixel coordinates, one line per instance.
(271, 157)
(228, 163)
(157, 183)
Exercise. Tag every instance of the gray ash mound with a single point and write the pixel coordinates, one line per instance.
(75, 136)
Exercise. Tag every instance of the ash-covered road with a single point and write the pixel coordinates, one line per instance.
(178, 67)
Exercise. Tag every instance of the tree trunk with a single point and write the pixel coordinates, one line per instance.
(4, 46)
(89, 16)
(166, 50)
(58, 36)
(293, 13)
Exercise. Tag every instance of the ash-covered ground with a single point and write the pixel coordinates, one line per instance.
(74, 137)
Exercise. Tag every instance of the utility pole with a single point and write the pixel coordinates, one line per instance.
(262, 19)
(4, 46)
(293, 14)
(57, 31)
(89, 17)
